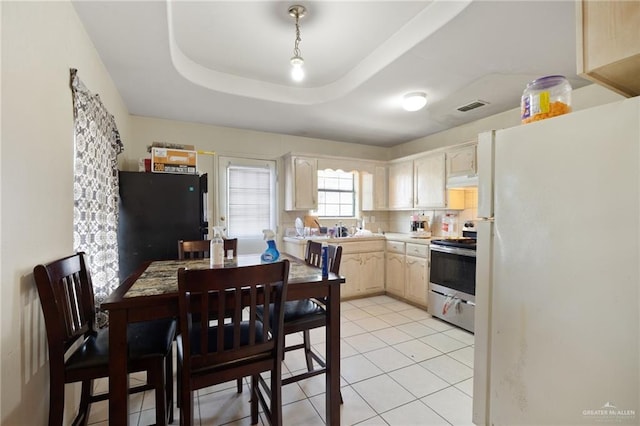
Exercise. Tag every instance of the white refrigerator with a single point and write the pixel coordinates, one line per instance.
(557, 327)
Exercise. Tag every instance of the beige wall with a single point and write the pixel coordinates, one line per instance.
(239, 143)
(582, 98)
(234, 142)
(40, 42)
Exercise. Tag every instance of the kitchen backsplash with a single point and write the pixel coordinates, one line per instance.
(398, 221)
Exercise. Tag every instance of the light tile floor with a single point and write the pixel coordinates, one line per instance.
(399, 366)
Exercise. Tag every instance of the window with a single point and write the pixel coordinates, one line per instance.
(336, 193)
(248, 196)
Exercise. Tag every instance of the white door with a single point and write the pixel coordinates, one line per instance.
(247, 200)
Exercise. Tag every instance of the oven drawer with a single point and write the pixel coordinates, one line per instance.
(457, 312)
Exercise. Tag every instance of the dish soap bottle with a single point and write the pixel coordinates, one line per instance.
(216, 249)
(271, 254)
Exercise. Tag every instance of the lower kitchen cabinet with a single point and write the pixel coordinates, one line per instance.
(417, 273)
(408, 271)
(362, 266)
(395, 268)
(296, 248)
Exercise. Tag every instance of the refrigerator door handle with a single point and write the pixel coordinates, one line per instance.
(486, 219)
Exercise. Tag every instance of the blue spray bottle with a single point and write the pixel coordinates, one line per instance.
(271, 254)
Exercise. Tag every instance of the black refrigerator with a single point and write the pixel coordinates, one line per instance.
(155, 211)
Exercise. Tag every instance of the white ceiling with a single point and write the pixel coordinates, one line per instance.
(226, 63)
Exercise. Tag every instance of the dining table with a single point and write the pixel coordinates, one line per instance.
(151, 292)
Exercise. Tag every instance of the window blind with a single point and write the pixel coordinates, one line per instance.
(249, 201)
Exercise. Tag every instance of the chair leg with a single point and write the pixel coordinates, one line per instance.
(168, 363)
(185, 396)
(307, 349)
(178, 384)
(254, 400)
(276, 395)
(85, 403)
(239, 385)
(186, 406)
(156, 377)
(56, 402)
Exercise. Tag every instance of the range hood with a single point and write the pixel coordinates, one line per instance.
(462, 181)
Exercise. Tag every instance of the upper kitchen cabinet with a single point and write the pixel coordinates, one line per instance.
(401, 185)
(608, 51)
(429, 181)
(375, 189)
(462, 167)
(461, 161)
(420, 184)
(301, 183)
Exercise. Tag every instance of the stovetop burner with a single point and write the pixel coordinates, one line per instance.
(462, 242)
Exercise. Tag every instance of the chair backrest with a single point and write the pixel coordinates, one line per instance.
(223, 293)
(196, 249)
(66, 296)
(199, 249)
(231, 244)
(313, 256)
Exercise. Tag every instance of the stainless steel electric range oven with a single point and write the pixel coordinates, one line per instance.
(452, 281)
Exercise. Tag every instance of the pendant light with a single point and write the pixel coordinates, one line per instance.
(297, 62)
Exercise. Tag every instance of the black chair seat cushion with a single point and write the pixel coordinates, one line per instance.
(296, 309)
(228, 336)
(146, 339)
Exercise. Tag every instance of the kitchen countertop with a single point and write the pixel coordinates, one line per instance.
(393, 236)
(407, 238)
(303, 240)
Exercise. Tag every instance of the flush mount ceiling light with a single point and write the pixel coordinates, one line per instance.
(297, 72)
(414, 101)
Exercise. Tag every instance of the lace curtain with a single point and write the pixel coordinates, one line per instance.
(95, 187)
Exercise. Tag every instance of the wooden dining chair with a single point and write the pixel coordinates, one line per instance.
(230, 347)
(199, 249)
(306, 314)
(66, 296)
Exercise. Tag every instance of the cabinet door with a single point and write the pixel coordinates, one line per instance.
(350, 270)
(462, 161)
(395, 274)
(417, 277)
(609, 44)
(374, 189)
(429, 181)
(306, 183)
(381, 188)
(372, 272)
(295, 249)
(401, 185)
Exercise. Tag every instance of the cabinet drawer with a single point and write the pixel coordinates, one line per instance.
(418, 250)
(395, 247)
(361, 246)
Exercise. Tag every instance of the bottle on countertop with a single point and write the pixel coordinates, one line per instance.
(271, 254)
(449, 225)
(216, 249)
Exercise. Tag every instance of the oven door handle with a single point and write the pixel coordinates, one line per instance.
(453, 250)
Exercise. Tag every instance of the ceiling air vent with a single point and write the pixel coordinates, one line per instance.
(472, 105)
